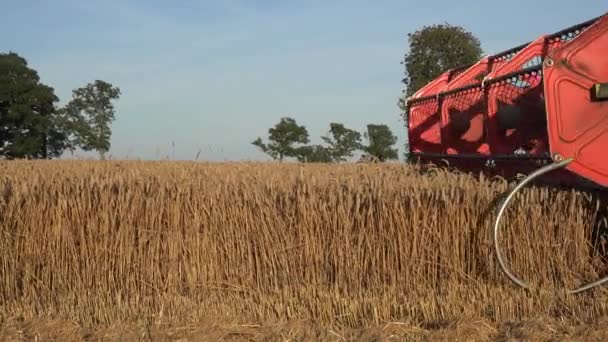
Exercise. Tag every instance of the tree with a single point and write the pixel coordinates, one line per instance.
(435, 49)
(72, 123)
(314, 154)
(283, 139)
(28, 119)
(380, 141)
(89, 115)
(343, 141)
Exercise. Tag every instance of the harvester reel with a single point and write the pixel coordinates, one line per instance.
(547, 168)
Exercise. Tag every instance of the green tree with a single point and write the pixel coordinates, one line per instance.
(89, 115)
(314, 154)
(69, 121)
(380, 142)
(435, 49)
(284, 137)
(342, 142)
(28, 120)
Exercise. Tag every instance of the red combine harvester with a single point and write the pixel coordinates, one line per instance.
(538, 107)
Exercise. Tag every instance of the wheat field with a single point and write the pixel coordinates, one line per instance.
(281, 251)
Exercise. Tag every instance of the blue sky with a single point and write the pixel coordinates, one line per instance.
(214, 75)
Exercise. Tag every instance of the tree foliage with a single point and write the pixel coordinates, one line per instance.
(342, 142)
(284, 138)
(89, 115)
(314, 154)
(28, 122)
(435, 49)
(380, 142)
(32, 127)
(288, 139)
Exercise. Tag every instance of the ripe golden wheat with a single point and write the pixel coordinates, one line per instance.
(102, 242)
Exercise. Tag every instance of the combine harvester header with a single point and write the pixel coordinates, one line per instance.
(522, 108)
(535, 108)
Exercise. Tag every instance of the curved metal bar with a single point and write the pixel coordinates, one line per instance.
(525, 181)
(589, 286)
(504, 205)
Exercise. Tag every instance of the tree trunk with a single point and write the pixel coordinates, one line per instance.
(45, 146)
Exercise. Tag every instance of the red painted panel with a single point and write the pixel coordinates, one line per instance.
(578, 128)
(437, 85)
(424, 126)
(594, 154)
(516, 116)
(530, 56)
(573, 127)
(463, 122)
(499, 61)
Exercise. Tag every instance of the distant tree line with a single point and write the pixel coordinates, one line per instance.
(289, 139)
(33, 126)
(432, 50)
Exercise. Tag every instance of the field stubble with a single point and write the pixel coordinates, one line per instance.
(337, 246)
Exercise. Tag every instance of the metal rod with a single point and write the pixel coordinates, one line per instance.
(579, 26)
(480, 156)
(478, 85)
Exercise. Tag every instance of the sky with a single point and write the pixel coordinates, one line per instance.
(209, 77)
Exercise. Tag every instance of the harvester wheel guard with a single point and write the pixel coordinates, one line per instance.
(520, 185)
